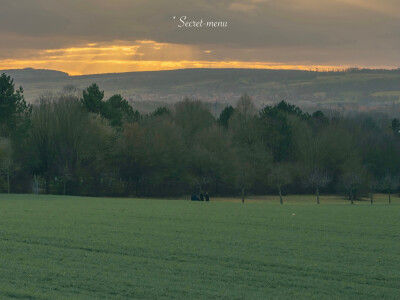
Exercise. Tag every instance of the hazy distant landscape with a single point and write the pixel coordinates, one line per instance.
(358, 89)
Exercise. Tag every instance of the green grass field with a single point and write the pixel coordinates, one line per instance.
(55, 247)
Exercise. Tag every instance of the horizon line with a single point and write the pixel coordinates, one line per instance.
(316, 69)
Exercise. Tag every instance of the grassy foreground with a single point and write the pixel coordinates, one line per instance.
(55, 247)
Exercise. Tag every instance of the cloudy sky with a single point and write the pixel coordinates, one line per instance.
(101, 36)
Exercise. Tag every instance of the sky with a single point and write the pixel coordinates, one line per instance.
(107, 36)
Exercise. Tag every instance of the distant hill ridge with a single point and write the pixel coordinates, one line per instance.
(31, 73)
(46, 73)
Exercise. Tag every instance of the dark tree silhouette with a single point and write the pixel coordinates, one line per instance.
(92, 98)
(317, 179)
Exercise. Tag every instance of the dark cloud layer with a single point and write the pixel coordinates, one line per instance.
(358, 32)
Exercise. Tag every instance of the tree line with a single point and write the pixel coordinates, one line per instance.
(88, 145)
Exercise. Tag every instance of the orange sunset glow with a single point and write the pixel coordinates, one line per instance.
(145, 55)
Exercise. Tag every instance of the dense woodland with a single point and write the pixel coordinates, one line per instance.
(86, 145)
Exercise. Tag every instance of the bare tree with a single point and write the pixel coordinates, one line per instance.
(351, 181)
(242, 126)
(279, 177)
(389, 183)
(372, 184)
(318, 179)
(244, 171)
(66, 176)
